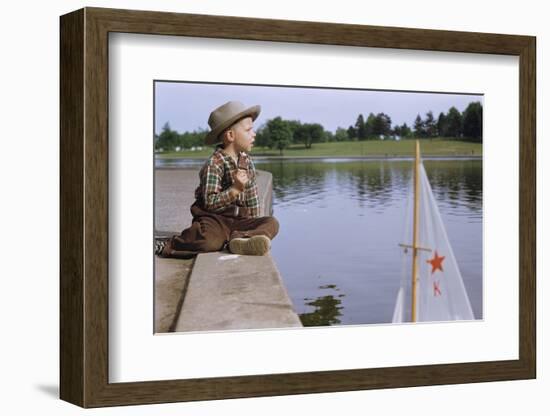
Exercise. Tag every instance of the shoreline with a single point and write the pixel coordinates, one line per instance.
(331, 158)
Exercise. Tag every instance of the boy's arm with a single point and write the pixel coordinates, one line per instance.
(252, 201)
(216, 199)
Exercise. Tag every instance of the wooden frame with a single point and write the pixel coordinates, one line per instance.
(84, 207)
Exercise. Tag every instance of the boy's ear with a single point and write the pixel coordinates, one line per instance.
(229, 135)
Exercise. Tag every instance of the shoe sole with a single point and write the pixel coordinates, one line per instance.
(253, 246)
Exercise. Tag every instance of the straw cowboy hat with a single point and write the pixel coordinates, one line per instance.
(227, 115)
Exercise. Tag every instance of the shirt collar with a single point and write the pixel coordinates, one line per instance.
(230, 158)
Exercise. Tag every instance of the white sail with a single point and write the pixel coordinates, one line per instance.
(440, 294)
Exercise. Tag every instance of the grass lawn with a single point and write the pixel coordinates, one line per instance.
(378, 148)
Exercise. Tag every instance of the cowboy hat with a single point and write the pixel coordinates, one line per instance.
(226, 115)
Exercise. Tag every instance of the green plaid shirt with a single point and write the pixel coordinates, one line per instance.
(216, 178)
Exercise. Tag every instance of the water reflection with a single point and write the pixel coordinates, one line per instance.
(327, 309)
(374, 184)
(457, 184)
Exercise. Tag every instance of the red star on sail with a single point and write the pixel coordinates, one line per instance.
(436, 262)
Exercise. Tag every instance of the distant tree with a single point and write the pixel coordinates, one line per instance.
(200, 136)
(316, 133)
(168, 138)
(278, 133)
(352, 133)
(370, 126)
(191, 139)
(262, 137)
(400, 131)
(360, 127)
(430, 126)
(419, 130)
(405, 131)
(301, 135)
(341, 135)
(294, 126)
(382, 125)
(309, 134)
(454, 123)
(396, 130)
(187, 140)
(328, 136)
(442, 125)
(472, 122)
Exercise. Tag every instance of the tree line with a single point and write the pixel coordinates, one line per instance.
(278, 133)
(169, 140)
(453, 124)
(467, 125)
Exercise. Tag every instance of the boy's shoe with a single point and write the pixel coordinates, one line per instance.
(163, 247)
(257, 245)
(159, 246)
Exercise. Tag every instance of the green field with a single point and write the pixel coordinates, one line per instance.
(378, 148)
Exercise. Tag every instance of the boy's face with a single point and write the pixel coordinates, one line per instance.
(243, 135)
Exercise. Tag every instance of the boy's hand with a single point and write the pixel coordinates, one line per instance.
(240, 179)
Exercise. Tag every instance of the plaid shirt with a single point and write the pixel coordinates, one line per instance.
(216, 178)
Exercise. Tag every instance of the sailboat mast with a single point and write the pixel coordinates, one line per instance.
(415, 231)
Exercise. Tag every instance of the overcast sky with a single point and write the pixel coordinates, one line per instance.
(186, 106)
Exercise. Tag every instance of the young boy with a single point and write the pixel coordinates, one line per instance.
(227, 207)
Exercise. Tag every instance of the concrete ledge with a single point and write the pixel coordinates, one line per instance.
(228, 292)
(171, 278)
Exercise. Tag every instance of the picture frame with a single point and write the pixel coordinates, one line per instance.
(84, 216)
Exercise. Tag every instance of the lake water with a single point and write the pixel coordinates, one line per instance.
(341, 223)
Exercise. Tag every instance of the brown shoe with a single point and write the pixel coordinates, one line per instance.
(257, 245)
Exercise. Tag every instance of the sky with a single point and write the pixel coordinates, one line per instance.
(186, 106)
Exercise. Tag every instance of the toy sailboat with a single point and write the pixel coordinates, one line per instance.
(431, 288)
